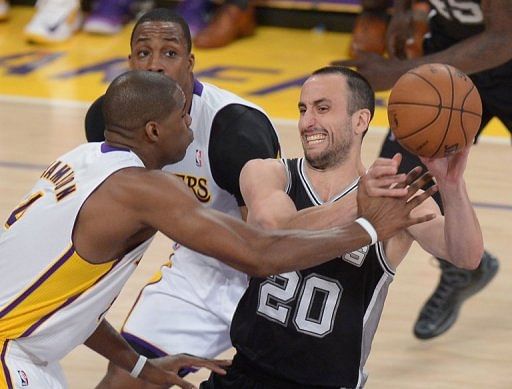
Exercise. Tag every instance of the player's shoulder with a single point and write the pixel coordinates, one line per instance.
(264, 165)
(264, 171)
(218, 98)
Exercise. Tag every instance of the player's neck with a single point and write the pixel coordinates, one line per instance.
(331, 181)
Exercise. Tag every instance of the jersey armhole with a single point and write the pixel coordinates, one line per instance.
(383, 260)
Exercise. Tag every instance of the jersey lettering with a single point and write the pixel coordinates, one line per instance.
(465, 12)
(356, 257)
(317, 304)
(198, 185)
(20, 210)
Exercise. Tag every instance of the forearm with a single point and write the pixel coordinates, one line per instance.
(325, 216)
(478, 53)
(464, 242)
(107, 342)
(278, 251)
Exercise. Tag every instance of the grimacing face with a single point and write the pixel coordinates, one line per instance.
(325, 126)
(161, 47)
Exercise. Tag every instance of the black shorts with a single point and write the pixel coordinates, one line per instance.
(241, 376)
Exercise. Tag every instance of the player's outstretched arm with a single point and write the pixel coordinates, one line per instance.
(480, 52)
(457, 236)
(164, 203)
(263, 185)
(109, 343)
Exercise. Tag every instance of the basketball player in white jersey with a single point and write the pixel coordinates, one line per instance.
(314, 328)
(197, 294)
(71, 244)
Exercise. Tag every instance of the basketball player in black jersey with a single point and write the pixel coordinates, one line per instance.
(314, 328)
(474, 36)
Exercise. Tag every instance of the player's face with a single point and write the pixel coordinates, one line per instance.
(325, 125)
(161, 47)
(178, 134)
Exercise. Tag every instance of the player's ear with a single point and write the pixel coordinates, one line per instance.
(152, 131)
(361, 120)
(191, 61)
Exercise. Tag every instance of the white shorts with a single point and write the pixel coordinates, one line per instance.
(182, 314)
(18, 371)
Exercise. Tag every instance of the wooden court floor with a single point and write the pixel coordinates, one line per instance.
(475, 353)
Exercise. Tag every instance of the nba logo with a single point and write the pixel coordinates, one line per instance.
(199, 158)
(23, 378)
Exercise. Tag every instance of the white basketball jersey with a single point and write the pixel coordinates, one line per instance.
(51, 299)
(195, 170)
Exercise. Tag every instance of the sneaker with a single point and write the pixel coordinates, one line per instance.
(455, 286)
(4, 9)
(55, 21)
(108, 17)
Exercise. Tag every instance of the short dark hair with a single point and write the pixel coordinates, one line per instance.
(361, 92)
(137, 97)
(165, 15)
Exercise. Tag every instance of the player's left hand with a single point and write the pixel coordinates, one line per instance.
(380, 72)
(382, 177)
(449, 169)
(164, 371)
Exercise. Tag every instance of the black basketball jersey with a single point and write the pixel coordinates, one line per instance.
(313, 328)
(455, 20)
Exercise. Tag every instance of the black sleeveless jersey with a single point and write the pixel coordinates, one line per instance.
(455, 20)
(313, 328)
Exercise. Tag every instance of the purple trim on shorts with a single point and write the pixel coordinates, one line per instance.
(4, 366)
(198, 88)
(106, 148)
(134, 339)
(38, 283)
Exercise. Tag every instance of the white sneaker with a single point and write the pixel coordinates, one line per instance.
(55, 21)
(4, 9)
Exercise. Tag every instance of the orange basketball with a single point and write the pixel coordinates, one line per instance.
(434, 110)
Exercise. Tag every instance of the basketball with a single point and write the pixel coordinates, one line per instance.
(434, 110)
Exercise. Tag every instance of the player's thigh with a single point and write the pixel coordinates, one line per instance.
(169, 318)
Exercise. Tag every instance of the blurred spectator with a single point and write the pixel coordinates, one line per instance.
(109, 16)
(4, 9)
(232, 20)
(371, 25)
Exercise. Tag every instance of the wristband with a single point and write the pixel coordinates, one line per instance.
(138, 366)
(368, 228)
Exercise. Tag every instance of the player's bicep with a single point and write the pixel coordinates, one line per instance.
(262, 183)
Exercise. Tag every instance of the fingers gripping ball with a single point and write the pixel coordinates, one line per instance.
(434, 110)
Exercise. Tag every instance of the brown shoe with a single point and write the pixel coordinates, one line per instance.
(369, 34)
(228, 24)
